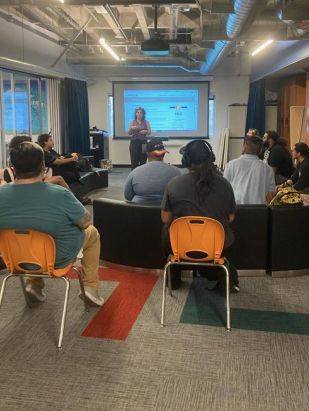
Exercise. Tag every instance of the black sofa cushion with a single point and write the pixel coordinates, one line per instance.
(130, 233)
(289, 245)
(250, 226)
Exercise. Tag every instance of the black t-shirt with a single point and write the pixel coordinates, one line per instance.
(279, 157)
(180, 199)
(300, 177)
(50, 157)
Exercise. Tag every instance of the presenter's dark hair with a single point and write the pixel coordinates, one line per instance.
(42, 139)
(18, 140)
(253, 145)
(142, 110)
(27, 159)
(202, 167)
(302, 148)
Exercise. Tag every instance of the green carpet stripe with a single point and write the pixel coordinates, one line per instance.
(269, 321)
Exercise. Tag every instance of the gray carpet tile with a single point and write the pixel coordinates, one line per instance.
(181, 367)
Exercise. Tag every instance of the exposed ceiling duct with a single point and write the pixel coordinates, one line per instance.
(245, 11)
(195, 33)
(134, 61)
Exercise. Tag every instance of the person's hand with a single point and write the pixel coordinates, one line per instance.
(133, 127)
(278, 188)
(61, 157)
(143, 132)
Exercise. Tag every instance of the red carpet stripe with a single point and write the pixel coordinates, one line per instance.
(118, 315)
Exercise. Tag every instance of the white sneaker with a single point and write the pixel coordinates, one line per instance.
(35, 293)
(93, 297)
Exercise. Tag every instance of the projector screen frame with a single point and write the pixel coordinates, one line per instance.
(190, 82)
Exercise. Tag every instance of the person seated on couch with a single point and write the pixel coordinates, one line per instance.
(201, 192)
(61, 166)
(277, 156)
(29, 203)
(146, 184)
(300, 178)
(252, 180)
(8, 176)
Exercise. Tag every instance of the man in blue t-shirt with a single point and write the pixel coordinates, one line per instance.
(30, 203)
(146, 184)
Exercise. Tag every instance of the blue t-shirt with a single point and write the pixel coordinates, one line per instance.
(44, 207)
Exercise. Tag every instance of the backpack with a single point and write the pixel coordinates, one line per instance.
(287, 196)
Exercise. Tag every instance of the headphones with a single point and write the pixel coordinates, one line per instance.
(186, 160)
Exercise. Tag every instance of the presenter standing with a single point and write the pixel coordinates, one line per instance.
(139, 130)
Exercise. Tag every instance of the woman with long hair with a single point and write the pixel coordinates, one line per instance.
(139, 130)
(201, 192)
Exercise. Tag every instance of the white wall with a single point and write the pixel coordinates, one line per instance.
(24, 46)
(227, 90)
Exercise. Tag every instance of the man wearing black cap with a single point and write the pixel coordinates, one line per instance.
(146, 184)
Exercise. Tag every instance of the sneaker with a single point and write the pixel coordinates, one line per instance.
(93, 297)
(86, 201)
(35, 293)
(234, 289)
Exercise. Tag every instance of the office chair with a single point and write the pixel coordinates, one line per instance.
(196, 241)
(32, 253)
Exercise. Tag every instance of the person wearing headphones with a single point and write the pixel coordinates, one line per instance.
(201, 192)
(139, 130)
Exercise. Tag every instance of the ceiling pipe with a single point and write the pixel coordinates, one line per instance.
(134, 61)
(299, 27)
(111, 13)
(246, 12)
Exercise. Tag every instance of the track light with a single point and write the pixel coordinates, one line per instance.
(108, 48)
(262, 47)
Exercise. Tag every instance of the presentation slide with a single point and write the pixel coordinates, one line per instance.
(167, 110)
(174, 110)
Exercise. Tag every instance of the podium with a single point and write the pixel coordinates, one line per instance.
(98, 146)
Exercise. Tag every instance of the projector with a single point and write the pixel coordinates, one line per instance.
(155, 47)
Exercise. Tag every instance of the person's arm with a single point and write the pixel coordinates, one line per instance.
(60, 160)
(226, 173)
(231, 218)
(59, 180)
(270, 195)
(148, 131)
(128, 188)
(166, 216)
(85, 221)
(131, 128)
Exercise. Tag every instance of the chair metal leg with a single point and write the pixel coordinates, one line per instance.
(164, 293)
(169, 280)
(228, 310)
(82, 288)
(3, 287)
(22, 282)
(64, 313)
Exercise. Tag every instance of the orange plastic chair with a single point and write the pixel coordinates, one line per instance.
(32, 253)
(196, 241)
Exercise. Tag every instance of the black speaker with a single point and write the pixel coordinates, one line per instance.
(97, 147)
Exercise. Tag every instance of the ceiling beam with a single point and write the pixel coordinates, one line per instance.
(141, 16)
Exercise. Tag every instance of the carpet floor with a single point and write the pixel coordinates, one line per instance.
(181, 367)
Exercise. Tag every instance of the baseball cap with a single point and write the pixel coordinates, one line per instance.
(156, 147)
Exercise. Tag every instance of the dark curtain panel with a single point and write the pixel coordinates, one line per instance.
(256, 107)
(75, 116)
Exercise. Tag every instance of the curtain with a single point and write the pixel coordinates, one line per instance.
(256, 107)
(75, 116)
(53, 92)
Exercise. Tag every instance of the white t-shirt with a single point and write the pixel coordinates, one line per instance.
(250, 178)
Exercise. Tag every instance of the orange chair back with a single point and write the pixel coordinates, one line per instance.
(197, 239)
(29, 251)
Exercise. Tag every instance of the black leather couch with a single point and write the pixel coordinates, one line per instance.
(288, 240)
(131, 235)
